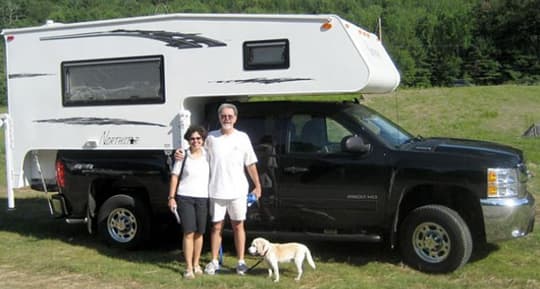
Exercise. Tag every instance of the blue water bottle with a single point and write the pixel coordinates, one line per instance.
(251, 199)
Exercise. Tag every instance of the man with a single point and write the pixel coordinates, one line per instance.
(230, 151)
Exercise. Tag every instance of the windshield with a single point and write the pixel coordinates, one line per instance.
(380, 126)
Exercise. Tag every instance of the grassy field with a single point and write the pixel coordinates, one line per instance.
(37, 251)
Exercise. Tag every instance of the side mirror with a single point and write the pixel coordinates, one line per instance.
(355, 144)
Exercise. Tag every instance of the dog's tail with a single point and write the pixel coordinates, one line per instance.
(310, 259)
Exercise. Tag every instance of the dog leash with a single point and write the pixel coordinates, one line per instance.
(258, 262)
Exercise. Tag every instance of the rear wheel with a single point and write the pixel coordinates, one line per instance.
(435, 239)
(124, 221)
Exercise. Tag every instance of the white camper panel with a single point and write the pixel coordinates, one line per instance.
(170, 58)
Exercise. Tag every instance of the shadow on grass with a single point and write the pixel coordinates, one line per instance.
(31, 218)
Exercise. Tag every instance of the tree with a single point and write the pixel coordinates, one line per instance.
(512, 28)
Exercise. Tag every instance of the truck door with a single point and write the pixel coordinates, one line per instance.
(263, 135)
(323, 189)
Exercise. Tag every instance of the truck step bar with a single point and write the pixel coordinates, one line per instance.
(367, 238)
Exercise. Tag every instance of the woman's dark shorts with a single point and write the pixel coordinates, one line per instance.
(193, 213)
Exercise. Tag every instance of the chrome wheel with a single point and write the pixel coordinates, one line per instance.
(122, 225)
(431, 242)
(435, 239)
(124, 221)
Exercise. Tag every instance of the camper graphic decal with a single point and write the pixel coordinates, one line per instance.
(23, 75)
(96, 121)
(262, 80)
(172, 39)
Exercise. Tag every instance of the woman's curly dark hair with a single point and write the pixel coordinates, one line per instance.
(195, 128)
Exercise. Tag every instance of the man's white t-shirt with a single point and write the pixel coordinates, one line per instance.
(194, 179)
(229, 155)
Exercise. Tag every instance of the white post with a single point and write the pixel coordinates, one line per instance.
(379, 28)
(6, 124)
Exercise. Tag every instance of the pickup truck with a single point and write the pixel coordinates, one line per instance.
(330, 171)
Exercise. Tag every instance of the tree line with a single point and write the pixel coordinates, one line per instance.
(432, 42)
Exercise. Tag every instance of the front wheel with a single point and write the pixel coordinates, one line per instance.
(435, 239)
(123, 221)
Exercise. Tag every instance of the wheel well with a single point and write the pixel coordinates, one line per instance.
(103, 189)
(463, 201)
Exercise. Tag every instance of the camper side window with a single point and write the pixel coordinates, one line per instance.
(266, 54)
(113, 81)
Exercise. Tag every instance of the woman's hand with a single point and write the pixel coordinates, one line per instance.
(172, 204)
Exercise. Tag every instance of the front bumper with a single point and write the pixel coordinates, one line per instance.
(508, 218)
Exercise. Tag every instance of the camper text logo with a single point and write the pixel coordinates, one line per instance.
(107, 139)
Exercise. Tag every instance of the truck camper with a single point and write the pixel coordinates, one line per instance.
(130, 87)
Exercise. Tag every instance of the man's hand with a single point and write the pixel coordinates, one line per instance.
(258, 192)
(254, 174)
(179, 154)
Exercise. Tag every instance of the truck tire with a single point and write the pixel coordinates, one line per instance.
(435, 239)
(123, 221)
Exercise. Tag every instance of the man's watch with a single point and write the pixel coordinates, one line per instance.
(170, 198)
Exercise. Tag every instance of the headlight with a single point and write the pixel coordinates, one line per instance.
(502, 183)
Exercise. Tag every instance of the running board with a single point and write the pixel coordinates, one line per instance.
(365, 238)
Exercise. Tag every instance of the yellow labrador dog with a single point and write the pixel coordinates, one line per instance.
(275, 253)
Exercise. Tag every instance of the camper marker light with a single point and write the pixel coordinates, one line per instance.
(326, 25)
(10, 38)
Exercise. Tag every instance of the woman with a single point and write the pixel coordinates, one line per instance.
(190, 197)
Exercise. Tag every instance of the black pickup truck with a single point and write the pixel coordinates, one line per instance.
(329, 170)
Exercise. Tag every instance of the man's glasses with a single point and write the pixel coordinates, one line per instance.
(225, 116)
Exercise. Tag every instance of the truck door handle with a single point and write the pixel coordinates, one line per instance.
(295, 170)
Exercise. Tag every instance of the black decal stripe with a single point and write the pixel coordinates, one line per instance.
(96, 121)
(263, 80)
(23, 75)
(172, 39)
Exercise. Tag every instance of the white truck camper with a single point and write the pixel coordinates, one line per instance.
(137, 83)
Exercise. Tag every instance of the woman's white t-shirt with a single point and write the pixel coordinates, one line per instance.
(194, 179)
(229, 155)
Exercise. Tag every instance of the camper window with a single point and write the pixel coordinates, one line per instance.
(266, 54)
(113, 81)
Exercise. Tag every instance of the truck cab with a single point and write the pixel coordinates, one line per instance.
(333, 170)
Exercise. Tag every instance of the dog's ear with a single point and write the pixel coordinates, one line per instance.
(266, 247)
(259, 246)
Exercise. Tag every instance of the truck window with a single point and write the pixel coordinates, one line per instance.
(309, 134)
(113, 81)
(379, 126)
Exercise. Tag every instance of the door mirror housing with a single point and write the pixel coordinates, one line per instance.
(355, 144)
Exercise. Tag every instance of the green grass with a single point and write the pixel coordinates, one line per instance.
(37, 251)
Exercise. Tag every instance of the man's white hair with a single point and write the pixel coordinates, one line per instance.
(227, 105)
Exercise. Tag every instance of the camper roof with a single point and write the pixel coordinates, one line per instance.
(327, 37)
(52, 25)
